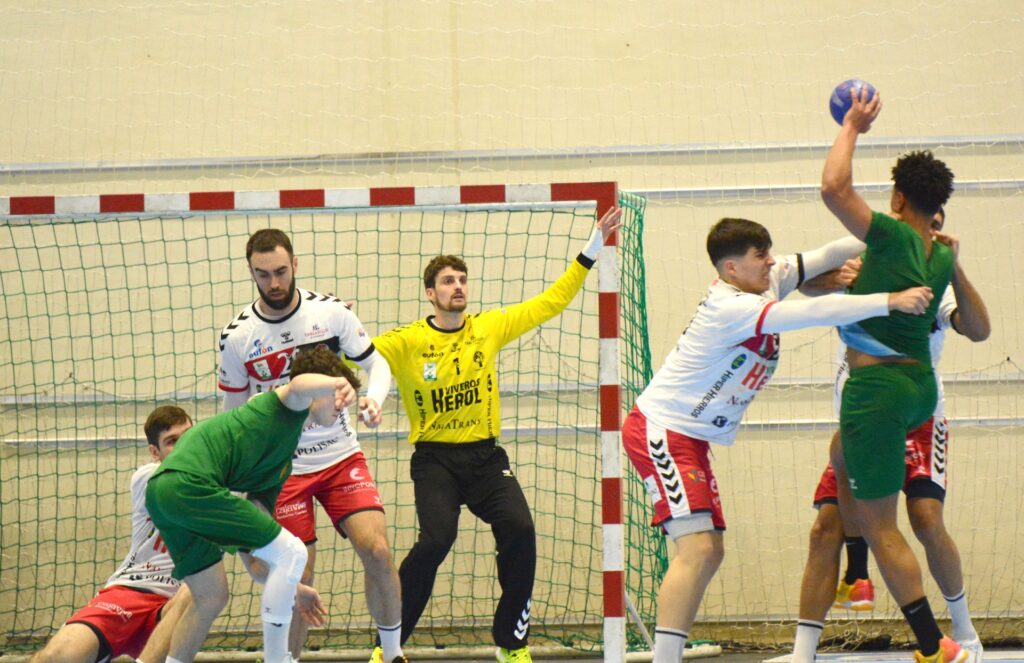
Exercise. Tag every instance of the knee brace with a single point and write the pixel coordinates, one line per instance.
(286, 558)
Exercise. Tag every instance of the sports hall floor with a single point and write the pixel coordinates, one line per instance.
(895, 656)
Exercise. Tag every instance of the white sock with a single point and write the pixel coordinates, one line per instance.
(805, 646)
(171, 659)
(275, 641)
(390, 641)
(669, 644)
(963, 628)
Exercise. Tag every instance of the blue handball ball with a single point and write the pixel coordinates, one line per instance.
(840, 102)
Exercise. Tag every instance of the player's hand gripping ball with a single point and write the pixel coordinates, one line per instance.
(839, 103)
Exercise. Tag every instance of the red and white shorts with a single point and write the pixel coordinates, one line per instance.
(123, 616)
(675, 469)
(925, 465)
(342, 489)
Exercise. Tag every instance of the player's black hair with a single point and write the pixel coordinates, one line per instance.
(161, 419)
(925, 181)
(321, 360)
(267, 239)
(437, 263)
(730, 238)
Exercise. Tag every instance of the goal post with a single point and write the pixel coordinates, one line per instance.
(112, 304)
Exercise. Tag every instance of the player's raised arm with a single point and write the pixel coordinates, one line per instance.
(831, 256)
(837, 178)
(546, 305)
(609, 222)
(830, 310)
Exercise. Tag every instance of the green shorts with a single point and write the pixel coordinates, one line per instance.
(880, 405)
(200, 520)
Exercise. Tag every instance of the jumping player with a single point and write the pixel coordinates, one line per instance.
(329, 465)
(135, 612)
(250, 450)
(445, 366)
(891, 389)
(723, 358)
(963, 310)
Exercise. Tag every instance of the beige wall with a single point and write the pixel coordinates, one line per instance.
(492, 88)
(135, 82)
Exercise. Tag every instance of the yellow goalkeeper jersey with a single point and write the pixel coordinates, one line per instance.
(448, 379)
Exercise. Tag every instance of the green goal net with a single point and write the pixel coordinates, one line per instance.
(105, 316)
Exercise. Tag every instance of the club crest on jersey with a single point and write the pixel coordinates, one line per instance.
(720, 421)
(260, 349)
(430, 371)
(262, 369)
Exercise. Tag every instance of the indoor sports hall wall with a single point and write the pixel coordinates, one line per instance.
(709, 109)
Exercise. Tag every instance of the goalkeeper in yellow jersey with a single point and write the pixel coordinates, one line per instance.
(445, 368)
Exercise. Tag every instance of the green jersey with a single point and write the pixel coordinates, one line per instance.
(246, 449)
(895, 260)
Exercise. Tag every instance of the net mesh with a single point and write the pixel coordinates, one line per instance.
(108, 317)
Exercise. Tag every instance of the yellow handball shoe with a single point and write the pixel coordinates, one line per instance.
(521, 655)
(378, 657)
(859, 596)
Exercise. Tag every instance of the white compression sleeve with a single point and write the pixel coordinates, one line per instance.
(831, 256)
(378, 376)
(594, 244)
(825, 311)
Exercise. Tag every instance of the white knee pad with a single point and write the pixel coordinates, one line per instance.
(285, 551)
(286, 558)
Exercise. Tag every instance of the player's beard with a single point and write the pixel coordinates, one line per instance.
(452, 306)
(278, 304)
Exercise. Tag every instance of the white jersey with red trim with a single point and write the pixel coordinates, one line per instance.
(721, 360)
(256, 355)
(148, 565)
(936, 341)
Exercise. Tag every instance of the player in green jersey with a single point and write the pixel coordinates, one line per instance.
(248, 449)
(891, 389)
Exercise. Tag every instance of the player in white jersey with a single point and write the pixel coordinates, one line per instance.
(256, 350)
(725, 356)
(140, 603)
(963, 310)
